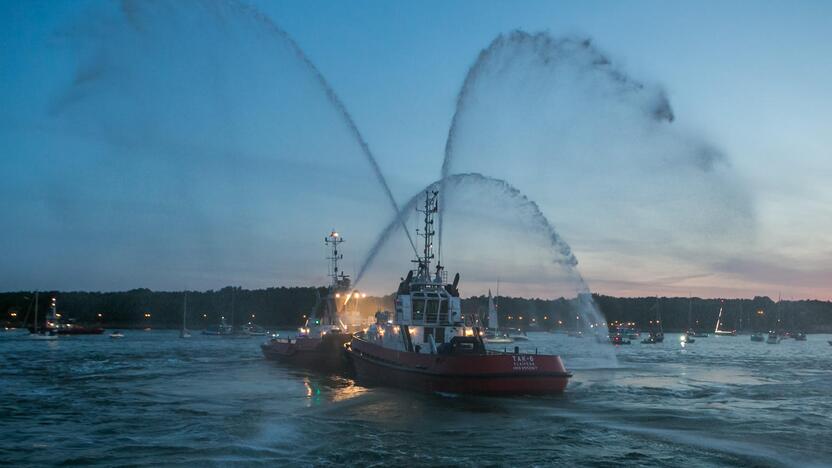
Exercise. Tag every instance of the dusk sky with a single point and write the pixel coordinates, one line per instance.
(676, 148)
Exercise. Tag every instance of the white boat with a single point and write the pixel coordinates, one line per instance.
(493, 335)
(184, 333)
(44, 333)
(252, 329)
(518, 335)
(116, 334)
(720, 332)
(773, 338)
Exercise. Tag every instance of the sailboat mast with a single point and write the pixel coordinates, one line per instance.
(36, 311)
(184, 312)
(233, 290)
(690, 310)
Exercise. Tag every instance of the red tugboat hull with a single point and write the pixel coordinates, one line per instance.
(321, 354)
(480, 374)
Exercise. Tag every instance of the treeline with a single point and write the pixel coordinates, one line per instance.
(288, 307)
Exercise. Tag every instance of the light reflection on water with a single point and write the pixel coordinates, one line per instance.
(152, 398)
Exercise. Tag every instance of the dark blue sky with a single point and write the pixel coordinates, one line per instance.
(175, 144)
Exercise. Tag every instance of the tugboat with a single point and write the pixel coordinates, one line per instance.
(320, 343)
(427, 347)
(57, 325)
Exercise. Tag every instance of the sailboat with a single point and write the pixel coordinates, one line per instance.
(41, 333)
(688, 336)
(492, 333)
(656, 332)
(184, 333)
(719, 322)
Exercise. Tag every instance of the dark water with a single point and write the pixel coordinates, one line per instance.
(153, 399)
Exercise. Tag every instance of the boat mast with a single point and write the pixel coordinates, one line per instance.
(340, 281)
(233, 290)
(36, 311)
(184, 311)
(431, 207)
(690, 310)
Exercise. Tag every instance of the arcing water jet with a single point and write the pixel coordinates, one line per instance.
(546, 51)
(562, 255)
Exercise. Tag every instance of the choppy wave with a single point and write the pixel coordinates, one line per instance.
(152, 399)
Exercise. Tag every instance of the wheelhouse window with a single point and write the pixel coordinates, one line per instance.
(443, 311)
(432, 309)
(418, 308)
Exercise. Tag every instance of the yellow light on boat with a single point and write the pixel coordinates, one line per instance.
(337, 294)
(363, 295)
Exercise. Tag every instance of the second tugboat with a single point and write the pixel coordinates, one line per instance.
(320, 343)
(426, 346)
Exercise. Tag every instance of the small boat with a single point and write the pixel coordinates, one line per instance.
(687, 338)
(756, 336)
(497, 339)
(690, 334)
(252, 329)
(618, 339)
(38, 333)
(830, 342)
(773, 338)
(116, 334)
(518, 335)
(654, 338)
(223, 329)
(493, 335)
(656, 331)
(720, 332)
(799, 336)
